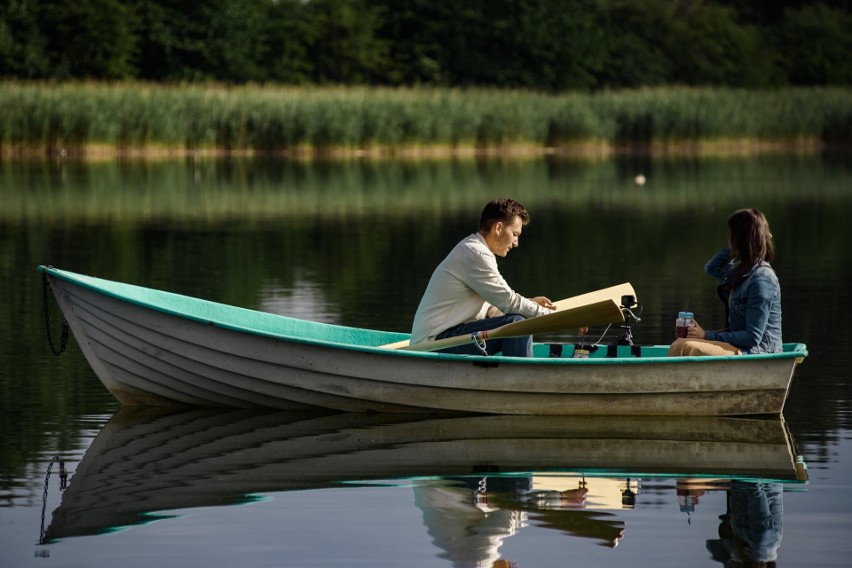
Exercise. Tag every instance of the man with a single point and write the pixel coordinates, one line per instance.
(467, 294)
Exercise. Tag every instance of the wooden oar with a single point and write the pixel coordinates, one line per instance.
(613, 293)
(599, 313)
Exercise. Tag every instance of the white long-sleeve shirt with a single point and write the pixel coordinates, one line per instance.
(461, 289)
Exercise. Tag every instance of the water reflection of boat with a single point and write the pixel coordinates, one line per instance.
(149, 460)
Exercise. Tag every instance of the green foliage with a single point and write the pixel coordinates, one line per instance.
(23, 50)
(713, 48)
(344, 47)
(637, 39)
(817, 43)
(88, 39)
(289, 37)
(218, 40)
(660, 42)
(548, 45)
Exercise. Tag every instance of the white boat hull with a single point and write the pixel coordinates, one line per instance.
(146, 356)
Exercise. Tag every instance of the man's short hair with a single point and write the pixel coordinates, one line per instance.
(503, 209)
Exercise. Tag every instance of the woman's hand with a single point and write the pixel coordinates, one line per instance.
(695, 331)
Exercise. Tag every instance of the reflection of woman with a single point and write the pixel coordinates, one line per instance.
(751, 530)
(750, 290)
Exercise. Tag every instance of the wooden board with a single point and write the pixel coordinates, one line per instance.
(613, 293)
(598, 311)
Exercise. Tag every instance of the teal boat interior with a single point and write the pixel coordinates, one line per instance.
(300, 330)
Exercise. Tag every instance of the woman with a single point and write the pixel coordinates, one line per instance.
(750, 290)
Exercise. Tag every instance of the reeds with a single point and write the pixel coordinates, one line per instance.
(132, 116)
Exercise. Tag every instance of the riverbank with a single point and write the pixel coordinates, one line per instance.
(107, 120)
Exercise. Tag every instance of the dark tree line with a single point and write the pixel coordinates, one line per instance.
(539, 44)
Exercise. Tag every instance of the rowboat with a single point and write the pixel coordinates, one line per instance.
(154, 348)
(146, 462)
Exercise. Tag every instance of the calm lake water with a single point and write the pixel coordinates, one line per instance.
(85, 483)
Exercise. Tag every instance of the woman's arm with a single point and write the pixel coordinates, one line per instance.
(717, 266)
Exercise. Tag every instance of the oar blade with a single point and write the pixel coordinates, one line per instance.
(613, 293)
(599, 313)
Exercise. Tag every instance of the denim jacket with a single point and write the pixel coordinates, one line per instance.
(753, 306)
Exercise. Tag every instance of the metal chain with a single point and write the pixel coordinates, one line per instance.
(63, 483)
(63, 337)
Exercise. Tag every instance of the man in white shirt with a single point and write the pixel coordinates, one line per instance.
(467, 294)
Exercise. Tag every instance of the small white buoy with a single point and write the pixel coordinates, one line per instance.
(639, 179)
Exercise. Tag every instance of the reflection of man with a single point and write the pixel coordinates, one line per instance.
(469, 531)
(470, 521)
(750, 532)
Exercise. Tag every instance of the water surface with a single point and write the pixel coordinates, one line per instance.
(354, 242)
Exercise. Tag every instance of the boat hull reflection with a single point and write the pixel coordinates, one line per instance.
(155, 460)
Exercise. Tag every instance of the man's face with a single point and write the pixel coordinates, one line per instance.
(505, 237)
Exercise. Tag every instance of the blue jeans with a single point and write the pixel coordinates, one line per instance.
(509, 346)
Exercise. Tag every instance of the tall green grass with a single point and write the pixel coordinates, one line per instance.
(130, 116)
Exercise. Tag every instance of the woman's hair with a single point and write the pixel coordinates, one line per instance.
(749, 239)
(503, 209)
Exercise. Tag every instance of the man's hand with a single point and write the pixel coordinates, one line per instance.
(543, 302)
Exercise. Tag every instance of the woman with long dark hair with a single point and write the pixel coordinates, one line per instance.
(749, 287)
